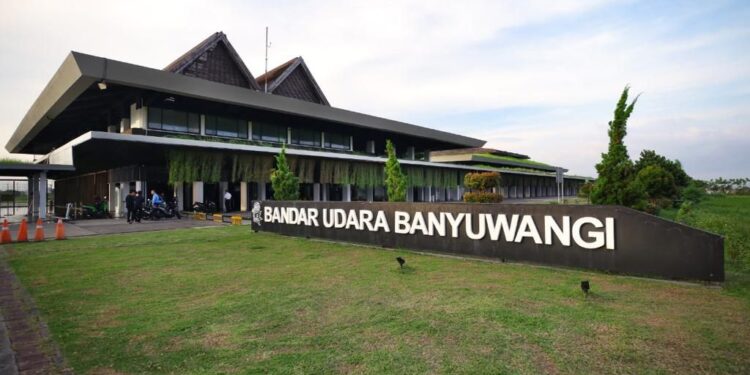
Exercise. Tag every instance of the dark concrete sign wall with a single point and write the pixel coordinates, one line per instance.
(606, 238)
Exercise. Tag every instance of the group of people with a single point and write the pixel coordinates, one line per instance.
(134, 203)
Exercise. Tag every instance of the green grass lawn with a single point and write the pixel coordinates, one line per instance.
(728, 216)
(225, 300)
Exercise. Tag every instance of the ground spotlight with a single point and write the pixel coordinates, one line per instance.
(401, 261)
(102, 85)
(585, 287)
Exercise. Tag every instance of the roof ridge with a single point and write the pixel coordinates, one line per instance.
(189, 57)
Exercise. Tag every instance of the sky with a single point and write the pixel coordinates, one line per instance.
(539, 78)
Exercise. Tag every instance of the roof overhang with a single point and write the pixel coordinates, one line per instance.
(79, 71)
(100, 144)
(28, 169)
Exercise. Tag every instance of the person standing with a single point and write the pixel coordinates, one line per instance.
(227, 201)
(130, 206)
(139, 201)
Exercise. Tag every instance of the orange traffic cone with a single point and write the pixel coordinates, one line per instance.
(23, 232)
(5, 236)
(59, 230)
(39, 234)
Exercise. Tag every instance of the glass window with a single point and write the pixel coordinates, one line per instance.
(226, 127)
(306, 137)
(269, 132)
(173, 121)
(336, 141)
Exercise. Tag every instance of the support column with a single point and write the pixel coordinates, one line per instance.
(370, 193)
(198, 191)
(346, 193)
(409, 194)
(244, 204)
(33, 196)
(179, 195)
(223, 186)
(324, 192)
(261, 191)
(43, 195)
(316, 192)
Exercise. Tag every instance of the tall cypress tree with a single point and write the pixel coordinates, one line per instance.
(615, 183)
(395, 179)
(284, 183)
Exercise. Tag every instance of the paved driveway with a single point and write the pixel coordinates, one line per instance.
(112, 226)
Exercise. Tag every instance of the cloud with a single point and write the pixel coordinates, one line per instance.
(468, 67)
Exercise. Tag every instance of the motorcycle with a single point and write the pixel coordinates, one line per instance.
(207, 207)
(171, 209)
(151, 212)
(98, 210)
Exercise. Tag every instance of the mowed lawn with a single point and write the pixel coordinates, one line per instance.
(225, 300)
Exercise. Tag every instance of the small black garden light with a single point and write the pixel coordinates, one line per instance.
(585, 287)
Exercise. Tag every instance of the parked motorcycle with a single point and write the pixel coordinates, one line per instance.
(98, 210)
(207, 207)
(167, 210)
(171, 209)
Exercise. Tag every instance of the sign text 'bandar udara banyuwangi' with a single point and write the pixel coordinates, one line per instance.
(511, 228)
(608, 238)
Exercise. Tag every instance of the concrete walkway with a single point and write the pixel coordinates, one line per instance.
(94, 227)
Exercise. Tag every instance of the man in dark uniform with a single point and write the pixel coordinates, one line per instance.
(139, 201)
(130, 206)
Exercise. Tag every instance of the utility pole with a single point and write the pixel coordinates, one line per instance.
(265, 83)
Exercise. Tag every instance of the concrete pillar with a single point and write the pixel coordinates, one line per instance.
(316, 192)
(370, 193)
(43, 195)
(33, 187)
(409, 194)
(197, 191)
(138, 117)
(223, 186)
(179, 195)
(113, 198)
(244, 204)
(324, 192)
(346, 193)
(261, 191)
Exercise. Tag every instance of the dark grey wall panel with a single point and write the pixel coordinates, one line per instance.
(641, 244)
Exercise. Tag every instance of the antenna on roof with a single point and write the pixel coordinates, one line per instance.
(268, 45)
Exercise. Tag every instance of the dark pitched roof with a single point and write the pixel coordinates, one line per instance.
(216, 60)
(80, 72)
(293, 79)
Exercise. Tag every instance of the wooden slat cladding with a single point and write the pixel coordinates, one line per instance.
(81, 189)
(217, 65)
(298, 86)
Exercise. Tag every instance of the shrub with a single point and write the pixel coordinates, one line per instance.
(481, 185)
(284, 183)
(395, 179)
(693, 193)
(585, 190)
(656, 182)
(482, 180)
(482, 197)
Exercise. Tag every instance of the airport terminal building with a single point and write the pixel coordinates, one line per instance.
(205, 124)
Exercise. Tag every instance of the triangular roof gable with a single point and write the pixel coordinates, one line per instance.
(216, 60)
(293, 79)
